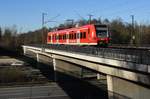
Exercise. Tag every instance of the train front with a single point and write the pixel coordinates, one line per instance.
(102, 35)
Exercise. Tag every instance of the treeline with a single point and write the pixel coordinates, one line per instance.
(10, 38)
(121, 33)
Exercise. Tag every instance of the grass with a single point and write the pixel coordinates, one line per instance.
(8, 75)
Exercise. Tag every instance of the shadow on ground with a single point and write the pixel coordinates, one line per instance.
(74, 87)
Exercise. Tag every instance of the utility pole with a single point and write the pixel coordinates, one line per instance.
(140, 35)
(90, 17)
(99, 20)
(43, 22)
(132, 31)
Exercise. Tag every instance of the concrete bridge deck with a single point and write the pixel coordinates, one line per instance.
(130, 79)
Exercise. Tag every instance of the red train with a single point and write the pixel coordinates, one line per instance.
(84, 35)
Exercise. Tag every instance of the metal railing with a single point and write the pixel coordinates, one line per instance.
(129, 55)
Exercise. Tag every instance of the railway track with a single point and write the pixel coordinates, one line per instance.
(111, 47)
(131, 47)
(135, 55)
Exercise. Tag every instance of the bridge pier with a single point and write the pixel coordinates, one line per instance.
(125, 79)
(37, 57)
(55, 72)
(100, 76)
(123, 89)
(24, 50)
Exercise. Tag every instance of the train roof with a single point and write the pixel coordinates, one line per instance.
(75, 28)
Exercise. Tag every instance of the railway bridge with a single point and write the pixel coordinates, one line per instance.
(127, 70)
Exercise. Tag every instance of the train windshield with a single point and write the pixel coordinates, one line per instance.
(101, 31)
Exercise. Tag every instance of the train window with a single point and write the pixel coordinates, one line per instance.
(84, 34)
(49, 37)
(63, 36)
(69, 36)
(60, 37)
(81, 35)
(101, 33)
(78, 35)
(53, 37)
(57, 37)
(74, 35)
(66, 36)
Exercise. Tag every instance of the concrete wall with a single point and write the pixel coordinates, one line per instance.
(122, 89)
(118, 88)
(45, 59)
(68, 68)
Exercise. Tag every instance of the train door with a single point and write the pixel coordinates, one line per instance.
(51, 38)
(78, 37)
(57, 38)
(84, 36)
(67, 37)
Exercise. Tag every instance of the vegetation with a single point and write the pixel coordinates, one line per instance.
(0, 34)
(120, 33)
(9, 75)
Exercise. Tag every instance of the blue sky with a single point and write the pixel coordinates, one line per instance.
(26, 14)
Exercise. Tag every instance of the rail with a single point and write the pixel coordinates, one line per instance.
(129, 55)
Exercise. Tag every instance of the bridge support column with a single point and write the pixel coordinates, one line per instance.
(24, 50)
(98, 76)
(110, 87)
(55, 72)
(37, 57)
(101, 76)
(122, 89)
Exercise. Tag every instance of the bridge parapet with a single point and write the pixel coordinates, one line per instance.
(101, 60)
(128, 73)
(130, 55)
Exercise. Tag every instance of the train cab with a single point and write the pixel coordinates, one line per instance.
(85, 35)
(102, 35)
